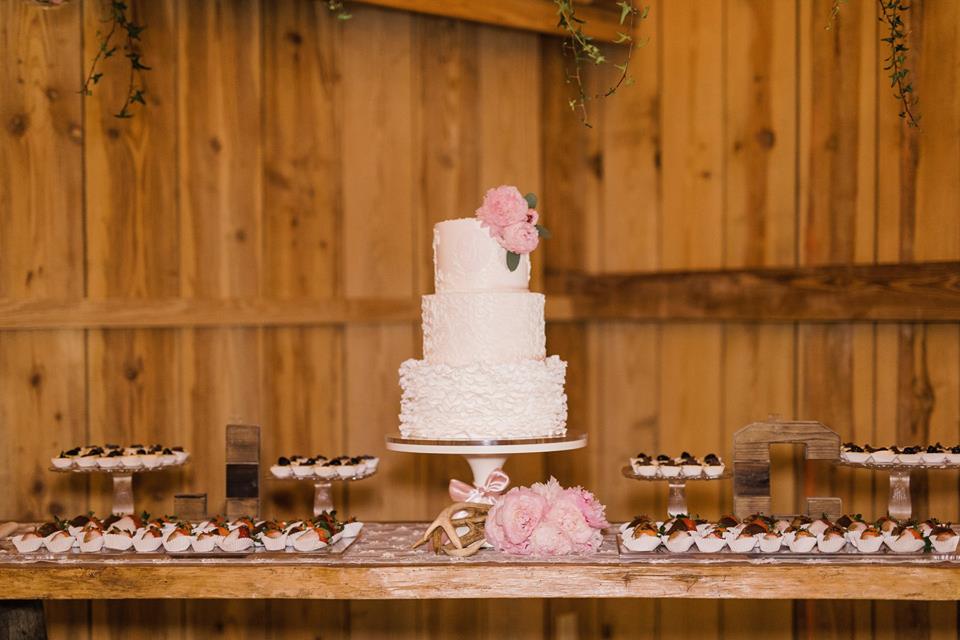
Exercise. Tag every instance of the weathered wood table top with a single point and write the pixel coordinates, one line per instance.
(381, 565)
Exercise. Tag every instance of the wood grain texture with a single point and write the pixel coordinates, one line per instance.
(220, 178)
(254, 247)
(491, 580)
(42, 387)
(529, 15)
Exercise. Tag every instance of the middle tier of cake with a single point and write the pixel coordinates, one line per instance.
(522, 399)
(483, 328)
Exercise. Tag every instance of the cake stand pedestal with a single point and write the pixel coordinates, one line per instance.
(486, 456)
(122, 482)
(323, 488)
(899, 504)
(677, 500)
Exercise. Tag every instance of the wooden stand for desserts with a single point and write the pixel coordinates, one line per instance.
(122, 482)
(484, 456)
(322, 489)
(677, 501)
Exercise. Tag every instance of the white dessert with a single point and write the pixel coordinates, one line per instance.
(27, 542)
(770, 542)
(485, 372)
(59, 542)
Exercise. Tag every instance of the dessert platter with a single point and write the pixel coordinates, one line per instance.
(797, 537)
(677, 472)
(323, 472)
(131, 535)
(121, 463)
(485, 388)
(900, 463)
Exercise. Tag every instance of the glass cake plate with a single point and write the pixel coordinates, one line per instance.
(122, 481)
(677, 501)
(322, 488)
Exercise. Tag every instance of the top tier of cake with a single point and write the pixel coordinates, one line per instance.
(466, 258)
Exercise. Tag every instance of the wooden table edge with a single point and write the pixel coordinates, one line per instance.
(460, 581)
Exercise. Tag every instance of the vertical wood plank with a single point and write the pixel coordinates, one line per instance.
(220, 168)
(836, 225)
(691, 356)
(302, 198)
(41, 255)
(378, 259)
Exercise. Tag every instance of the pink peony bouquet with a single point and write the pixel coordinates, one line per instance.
(546, 520)
(511, 218)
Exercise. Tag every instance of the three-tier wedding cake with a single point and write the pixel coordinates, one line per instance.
(485, 373)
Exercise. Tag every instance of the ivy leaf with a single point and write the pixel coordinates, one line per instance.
(513, 260)
(531, 199)
(543, 232)
(123, 113)
(625, 10)
(622, 37)
(344, 16)
(134, 30)
(96, 77)
(138, 97)
(109, 52)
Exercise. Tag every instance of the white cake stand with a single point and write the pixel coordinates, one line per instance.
(485, 456)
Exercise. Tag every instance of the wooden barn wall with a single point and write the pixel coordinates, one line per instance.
(285, 155)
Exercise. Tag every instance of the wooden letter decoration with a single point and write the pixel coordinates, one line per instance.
(243, 470)
(751, 462)
(190, 506)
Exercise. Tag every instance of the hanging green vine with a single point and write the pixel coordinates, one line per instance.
(580, 48)
(834, 12)
(336, 6)
(891, 14)
(123, 36)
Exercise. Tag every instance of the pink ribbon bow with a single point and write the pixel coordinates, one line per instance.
(493, 486)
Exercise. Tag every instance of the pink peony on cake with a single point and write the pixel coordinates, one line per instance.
(484, 373)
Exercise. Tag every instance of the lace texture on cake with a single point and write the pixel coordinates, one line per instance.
(466, 328)
(477, 401)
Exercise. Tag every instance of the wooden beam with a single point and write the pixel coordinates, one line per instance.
(185, 312)
(602, 23)
(316, 578)
(886, 292)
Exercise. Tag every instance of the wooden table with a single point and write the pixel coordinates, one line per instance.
(381, 566)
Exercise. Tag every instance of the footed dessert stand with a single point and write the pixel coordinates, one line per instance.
(486, 456)
(122, 482)
(322, 489)
(899, 504)
(677, 502)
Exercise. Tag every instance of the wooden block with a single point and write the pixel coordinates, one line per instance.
(751, 461)
(238, 507)
(751, 479)
(22, 619)
(243, 470)
(243, 481)
(816, 507)
(190, 506)
(753, 441)
(243, 444)
(744, 506)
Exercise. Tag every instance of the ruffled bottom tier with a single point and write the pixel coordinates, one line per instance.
(483, 401)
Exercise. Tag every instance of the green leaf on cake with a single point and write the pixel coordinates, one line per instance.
(543, 232)
(513, 260)
(531, 199)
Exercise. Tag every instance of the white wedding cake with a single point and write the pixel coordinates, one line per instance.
(485, 373)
